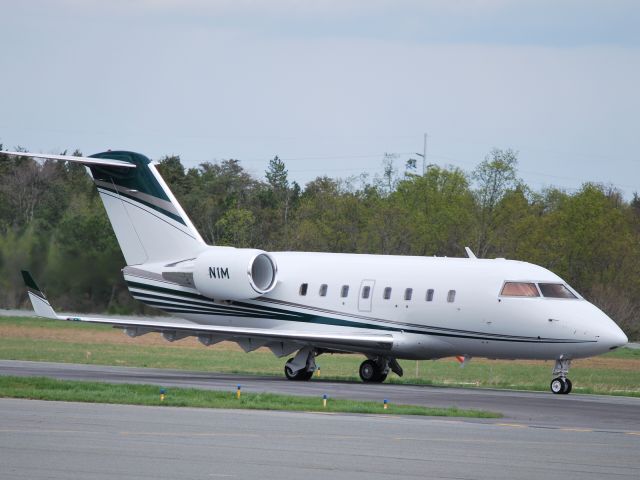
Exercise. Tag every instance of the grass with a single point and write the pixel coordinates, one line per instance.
(38, 388)
(616, 373)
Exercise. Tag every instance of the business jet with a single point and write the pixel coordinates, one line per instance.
(304, 304)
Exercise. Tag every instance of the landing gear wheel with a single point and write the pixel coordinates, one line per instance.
(300, 375)
(561, 385)
(569, 386)
(370, 372)
(289, 373)
(557, 385)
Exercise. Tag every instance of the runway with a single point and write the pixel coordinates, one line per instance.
(528, 409)
(56, 440)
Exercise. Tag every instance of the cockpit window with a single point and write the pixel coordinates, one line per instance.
(555, 290)
(519, 289)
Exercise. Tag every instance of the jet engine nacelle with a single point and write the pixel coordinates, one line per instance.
(227, 273)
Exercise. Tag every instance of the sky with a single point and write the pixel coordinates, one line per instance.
(331, 86)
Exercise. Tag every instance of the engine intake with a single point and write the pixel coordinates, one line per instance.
(227, 273)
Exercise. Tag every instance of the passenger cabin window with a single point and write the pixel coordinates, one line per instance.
(387, 293)
(323, 290)
(519, 289)
(408, 293)
(555, 290)
(451, 296)
(366, 291)
(430, 295)
(344, 291)
(303, 289)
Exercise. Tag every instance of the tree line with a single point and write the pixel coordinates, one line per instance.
(52, 222)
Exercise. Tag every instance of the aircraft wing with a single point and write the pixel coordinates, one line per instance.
(280, 341)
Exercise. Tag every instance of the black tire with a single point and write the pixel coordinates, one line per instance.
(370, 372)
(569, 386)
(558, 386)
(289, 373)
(300, 375)
(306, 375)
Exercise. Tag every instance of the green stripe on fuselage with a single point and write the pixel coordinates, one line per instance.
(286, 315)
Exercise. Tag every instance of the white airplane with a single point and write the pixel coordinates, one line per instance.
(382, 306)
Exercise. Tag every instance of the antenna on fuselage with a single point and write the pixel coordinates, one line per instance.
(470, 254)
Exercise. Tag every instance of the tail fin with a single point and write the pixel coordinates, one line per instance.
(148, 221)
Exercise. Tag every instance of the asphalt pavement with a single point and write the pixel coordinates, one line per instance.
(56, 440)
(532, 409)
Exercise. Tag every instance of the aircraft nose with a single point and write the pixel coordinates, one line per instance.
(613, 336)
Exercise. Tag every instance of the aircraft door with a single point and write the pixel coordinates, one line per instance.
(365, 296)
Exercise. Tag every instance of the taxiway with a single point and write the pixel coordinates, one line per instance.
(532, 409)
(56, 440)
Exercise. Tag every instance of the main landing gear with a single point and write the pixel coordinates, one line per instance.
(375, 370)
(302, 375)
(302, 366)
(560, 383)
(372, 370)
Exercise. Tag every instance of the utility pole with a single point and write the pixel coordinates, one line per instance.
(424, 155)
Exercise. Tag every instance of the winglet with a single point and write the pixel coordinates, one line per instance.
(39, 301)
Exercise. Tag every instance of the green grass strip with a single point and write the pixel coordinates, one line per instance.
(40, 388)
(621, 377)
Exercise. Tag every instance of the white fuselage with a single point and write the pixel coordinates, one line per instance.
(466, 315)
(385, 307)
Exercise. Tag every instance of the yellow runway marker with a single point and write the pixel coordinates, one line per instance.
(514, 425)
(633, 433)
(576, 429)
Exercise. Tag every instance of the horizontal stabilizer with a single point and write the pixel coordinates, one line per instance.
(70, 158)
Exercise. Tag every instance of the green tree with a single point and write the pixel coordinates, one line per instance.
(279, 197)
(235, 228)
(438, 211)
(495, 176)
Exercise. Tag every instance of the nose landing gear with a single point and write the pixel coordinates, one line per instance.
(560, 383)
